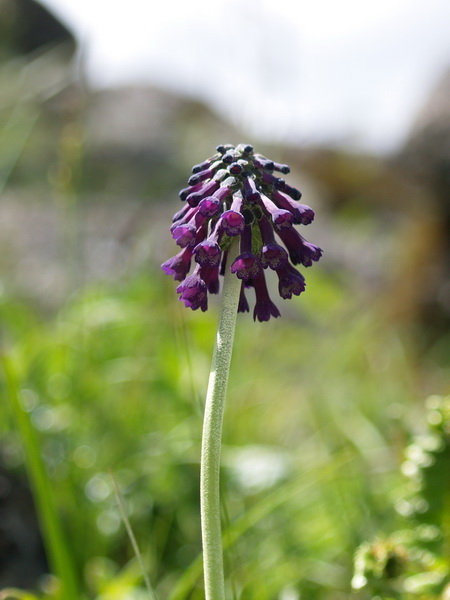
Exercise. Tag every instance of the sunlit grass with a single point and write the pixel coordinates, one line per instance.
(312, 433)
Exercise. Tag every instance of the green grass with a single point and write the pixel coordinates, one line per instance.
(318, 408)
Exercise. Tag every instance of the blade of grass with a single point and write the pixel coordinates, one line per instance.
(126, 521)
(259, 511)
(54, 540)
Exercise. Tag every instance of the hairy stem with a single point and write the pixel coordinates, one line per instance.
(212, 435)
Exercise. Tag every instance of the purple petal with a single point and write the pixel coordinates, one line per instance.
(232, 222)
(193, 292)
(246, 266)
(207, 253)
(179, 265)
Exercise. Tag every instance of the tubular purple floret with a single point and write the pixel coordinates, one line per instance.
(209, 206)
(251, 193)
(188, 217)
(199, 177)
(300, 251)
(264, 163)
(294, 193)
(193, 291)
(264, 307)
(178, 265)
(303, 214)
(223, 193)
(206, 189)
(185, 192)
(243, 304)
(233, 220)
(270, 179)
(202, 166)
(281, 218)
(181, 215)
(281, 168)
(210, 275)
(273, 256)
(290, 281)
(208, 252)
(184, 235)
(247, 265)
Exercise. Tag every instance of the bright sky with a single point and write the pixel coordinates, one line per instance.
(350, 71)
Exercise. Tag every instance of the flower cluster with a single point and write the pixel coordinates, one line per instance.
(235, 193)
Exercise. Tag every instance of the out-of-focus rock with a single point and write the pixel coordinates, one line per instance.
(27, 26)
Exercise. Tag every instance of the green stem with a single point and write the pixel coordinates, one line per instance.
(212, 435)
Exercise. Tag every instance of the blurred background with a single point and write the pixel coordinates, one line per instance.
(104, 108)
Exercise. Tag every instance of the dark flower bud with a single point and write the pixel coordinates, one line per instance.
(182, 213)
(235, 168)
(264, 163)
(199, 177)
(206, 189)
(245, 148)
(281, 168)
(230, 156)
(185, 192)
(201, 166)
(290, 191)
(224, 147)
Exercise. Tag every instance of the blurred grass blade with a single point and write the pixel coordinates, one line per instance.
(55, 544)
(126, 521)
(249, 519)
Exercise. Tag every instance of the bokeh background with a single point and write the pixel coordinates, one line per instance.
(104, 108)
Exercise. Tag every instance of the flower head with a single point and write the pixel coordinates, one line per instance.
(235, 193)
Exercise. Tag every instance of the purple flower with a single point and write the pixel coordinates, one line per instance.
(208, 253)
(246, 266)
(264, 307)
(300, 251)
(290, 281)
(243, 304)
(235, 193)
(179, 265)
(193, 292)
